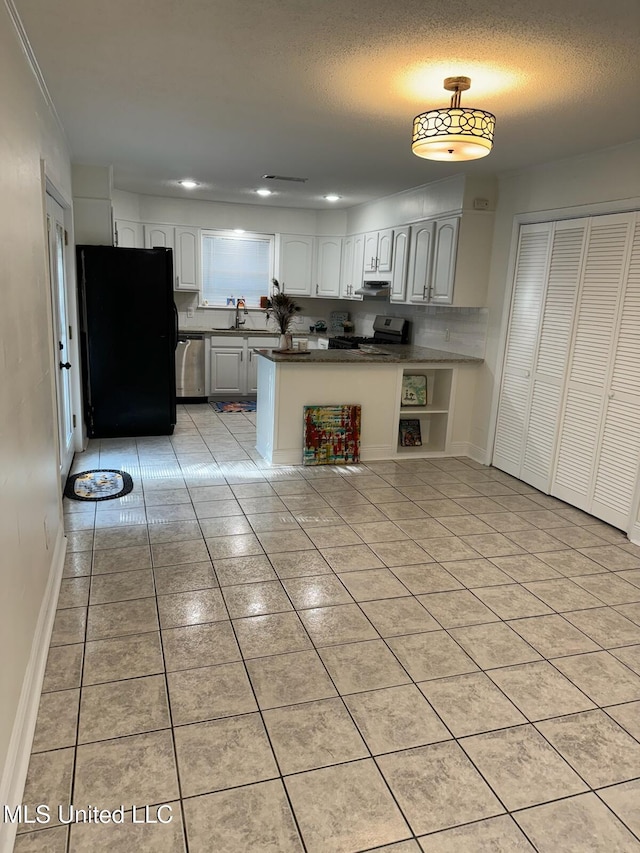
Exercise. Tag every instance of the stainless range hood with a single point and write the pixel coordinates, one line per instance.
(379, 289)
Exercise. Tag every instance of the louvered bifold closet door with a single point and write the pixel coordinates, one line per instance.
(598, 305)
(617, 466)
(552, 353)
(530, 277)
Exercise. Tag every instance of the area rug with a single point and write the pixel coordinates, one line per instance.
(100, 484)
(234, 406)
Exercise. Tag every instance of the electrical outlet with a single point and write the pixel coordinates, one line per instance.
(190, 313)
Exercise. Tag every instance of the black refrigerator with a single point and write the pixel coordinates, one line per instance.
(128, 337)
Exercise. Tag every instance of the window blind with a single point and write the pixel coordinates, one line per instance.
(235, 267)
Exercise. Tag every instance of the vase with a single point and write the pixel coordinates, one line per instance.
(286, 341)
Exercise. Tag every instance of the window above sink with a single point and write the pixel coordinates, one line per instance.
(235, 266)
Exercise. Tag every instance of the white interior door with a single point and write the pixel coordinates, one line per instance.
(63, 367)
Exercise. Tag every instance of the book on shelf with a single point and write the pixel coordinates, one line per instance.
(414, 390)
(410, 434)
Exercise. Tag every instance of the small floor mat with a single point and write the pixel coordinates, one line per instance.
(100, 484)
(234, 406)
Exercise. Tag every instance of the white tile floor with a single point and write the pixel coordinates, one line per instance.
(400, 656)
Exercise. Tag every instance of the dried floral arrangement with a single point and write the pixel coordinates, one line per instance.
(281, 307)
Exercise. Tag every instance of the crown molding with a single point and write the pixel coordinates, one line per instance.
(33, 62)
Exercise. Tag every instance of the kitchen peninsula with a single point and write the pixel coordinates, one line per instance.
(372, 379)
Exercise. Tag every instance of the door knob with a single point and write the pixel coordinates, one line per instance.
(64, 364)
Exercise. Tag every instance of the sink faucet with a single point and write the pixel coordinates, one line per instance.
(238, 322)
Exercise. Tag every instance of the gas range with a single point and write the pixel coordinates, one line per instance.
(348, 341)
(386, 330)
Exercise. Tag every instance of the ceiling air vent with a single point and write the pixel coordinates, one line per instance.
(285, 178)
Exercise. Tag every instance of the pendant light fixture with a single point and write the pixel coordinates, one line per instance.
(455, 132)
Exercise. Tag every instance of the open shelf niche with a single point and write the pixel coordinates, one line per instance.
(433, 418)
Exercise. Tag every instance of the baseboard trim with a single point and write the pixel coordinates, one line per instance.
(634, 533)
(17, 763)
(464, 448)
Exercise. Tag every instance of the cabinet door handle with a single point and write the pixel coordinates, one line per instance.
(177, 281)
(611, 395)
(251, 356)
(241, 356)
(317, 289)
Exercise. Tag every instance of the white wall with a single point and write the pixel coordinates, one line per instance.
(603, 181)
(30, 520)
(213, 214)
(438, 198)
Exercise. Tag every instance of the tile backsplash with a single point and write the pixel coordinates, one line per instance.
(461, 330)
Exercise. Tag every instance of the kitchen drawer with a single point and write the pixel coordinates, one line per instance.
(227, 341)
(263, 342)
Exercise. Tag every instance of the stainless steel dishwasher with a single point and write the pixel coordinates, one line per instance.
(190, 367)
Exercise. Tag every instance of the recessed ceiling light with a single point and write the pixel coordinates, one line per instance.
(332, 197)
(264, 192)
(188, 184)
(238, 230)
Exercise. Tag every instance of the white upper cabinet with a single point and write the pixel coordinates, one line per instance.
(400, 265)
(295, 263)
(385, 250)
(378, 251)
(328, 255)
(159, 236)
(187, 259)
(346, 268)
(445, 242)
(420, 261)
(351, 272)
(449, 260)
(371, 252)
(128, 235)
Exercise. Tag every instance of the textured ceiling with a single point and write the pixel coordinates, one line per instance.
(225, 91)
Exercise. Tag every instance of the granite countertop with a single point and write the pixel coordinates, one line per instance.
(250, 333)
(396, 354)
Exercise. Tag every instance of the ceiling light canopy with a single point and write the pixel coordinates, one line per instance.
(188, 184)
(455, 132)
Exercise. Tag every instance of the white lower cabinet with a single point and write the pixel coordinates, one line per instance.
(234, 363)
(227, 373)
(570, 396)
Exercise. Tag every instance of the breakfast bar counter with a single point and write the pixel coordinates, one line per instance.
(372, 379)
(378, 354)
